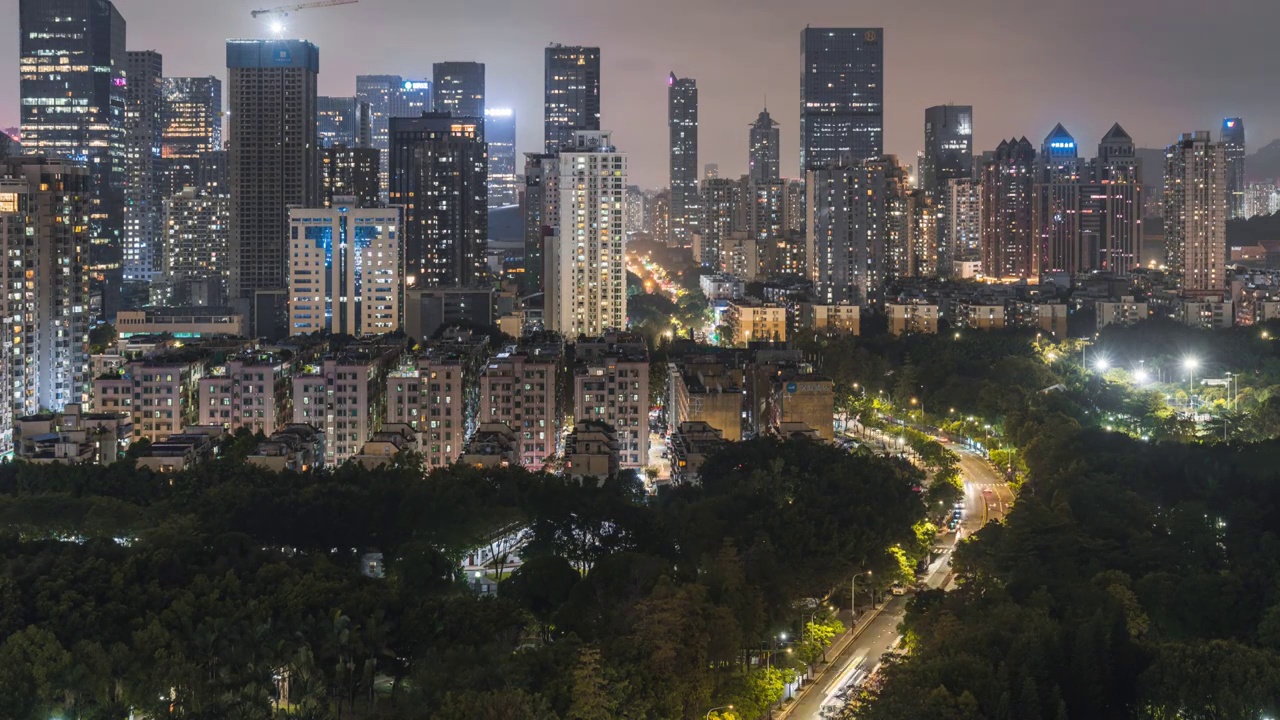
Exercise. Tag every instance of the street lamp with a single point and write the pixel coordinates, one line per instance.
(1191, 363)
(853, 597)
(1141, 376)
(1101, 364)
(722, 707)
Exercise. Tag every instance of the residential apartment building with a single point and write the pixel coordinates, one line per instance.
(519, 389)
(755, 321)
(611, 385)
(251, 392)
(912, 318)
(161, 395)
(343, 396)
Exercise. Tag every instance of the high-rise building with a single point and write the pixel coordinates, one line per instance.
(344, 269)
(762, 149)
(349, 172)
(1058, 206)
(1115, 204)
(458, 88)
(841, 95)
(963, 217)
(191, 134)
(1195, 213)
(390, 96)
(948, 155)
(682, 124)
(1233, 144)
(857, 216)
(500, 132)
(1007, 197)
(541, 214)
(585, 278)
(572, 84)
(765, 205)
(195, 262)
(710, 171)
(722, 213)
(439, 173)
(337, 121)
(272, 88)
(71, 67)
(143, 204)
(44, 238)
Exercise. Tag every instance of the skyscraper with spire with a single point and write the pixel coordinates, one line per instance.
(762, 160)
(1233, 144)
(682, 122)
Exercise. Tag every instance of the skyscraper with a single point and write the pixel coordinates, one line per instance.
(762, 149)
(191, 129)
(143, 205)
(841, 95)
(849, 206)
(459, 88)
(948, 146)
(44, 240)
(272, 87)
(682, 123)
(572, 84)
(1195, 213)
(722, 214)
(390, 96)
(345, 273)
(500, 132)
(541, 213)
(440, 175)
(195, 249)
(962, 215)
(1057, 209)
(586, 291)
(1007, 193)
(1115, 201)
(71, 67)
(1233, 144)
(337, 120)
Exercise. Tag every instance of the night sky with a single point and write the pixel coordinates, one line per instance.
(1159, 67)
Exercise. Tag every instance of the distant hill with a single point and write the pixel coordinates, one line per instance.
(1258, 230)
(1263, 165)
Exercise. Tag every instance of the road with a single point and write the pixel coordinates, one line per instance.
(987, 498)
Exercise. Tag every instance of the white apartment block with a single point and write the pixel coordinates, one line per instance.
(344, 398)
(251, 394)
(519, 389)
(585, 272)
(611, 385)
(1125, 312)
(345, 270)
(1195, 213)
(430, 397)
(161, 397)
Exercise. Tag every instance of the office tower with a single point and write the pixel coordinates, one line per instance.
(500, 132)
(710, 171)
(841, 95)
(1114, 200)
(1007, 185)
(337, 121)
(349, 172)
(195, 259)
(44, 238)
(682, 123)
(963, 213)
(572, 84)
(848, 217)
(390, 96)
(72, 81)
(541, 214)
(272, 88)
(1233, 144)
(459, 88)
(948, 146)
(762, 149)
(722, 210)
(585, 279)
(191, 129)
(344, 269)
(1057, 208)
(1195, 214)
(143, 204)
(440, 175)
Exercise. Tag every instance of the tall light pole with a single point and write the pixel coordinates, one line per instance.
(1191, 363)
(722, 707)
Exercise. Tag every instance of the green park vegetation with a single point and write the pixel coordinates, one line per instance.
(227, 591)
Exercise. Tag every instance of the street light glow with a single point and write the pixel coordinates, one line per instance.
(1101, 364)
(1141, 376)
(1191, 363)
(277, 27)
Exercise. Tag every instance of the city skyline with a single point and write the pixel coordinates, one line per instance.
(638, 50)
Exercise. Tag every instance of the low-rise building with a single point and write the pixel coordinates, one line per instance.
(905, 318)
(691, 444)
(801, 397)
(161, 395)
(611, 385)
(251, 391)
(437, 394)
(296, 448)
(753, 321)
(494, 444)
(178, 452)
(180, 322)
(720, 286)
(1208, 313)
(1125, 312)
(977, 316)
(393, 440)
(844, 319)
(592, 450)
(72, 436)
(708, 391)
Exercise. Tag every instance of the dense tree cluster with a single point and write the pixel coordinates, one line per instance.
(230, 592)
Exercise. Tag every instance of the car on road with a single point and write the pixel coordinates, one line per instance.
(898, 589)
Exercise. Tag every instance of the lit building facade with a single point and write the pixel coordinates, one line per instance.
(458, 88)
(337, 121)
(190, 132)
(682, 126)
(611, 385)
(963, 216)
(143, 203)
(439, 174)
(344, 270)
(1234, 152)
(841, 95)
(948, 155)
(722, 210)
(860, 227)
(347, 171)
(272, 88)
(585, 268)
(344, 397)
(1195, 214)
(764, 146)
(500, 133)
(390, 96)
(251, 392)
(194, 262)
(572, 90)
(1007, 199)
(519, 390)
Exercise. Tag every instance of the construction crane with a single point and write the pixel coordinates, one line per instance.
(284, 10)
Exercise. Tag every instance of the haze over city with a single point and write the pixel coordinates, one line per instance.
(1158, 68)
